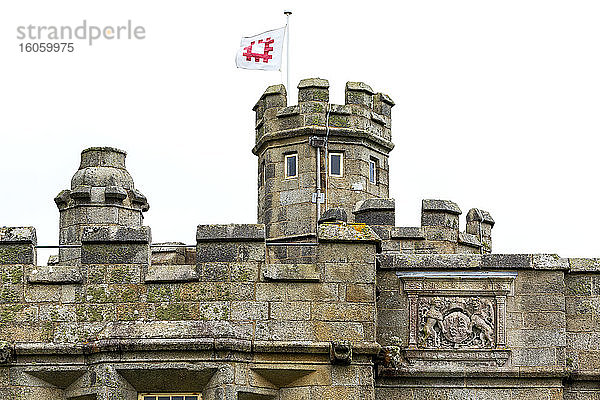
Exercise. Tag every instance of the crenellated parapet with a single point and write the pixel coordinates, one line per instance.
(337, 153)
(439, 231)
(365, 113)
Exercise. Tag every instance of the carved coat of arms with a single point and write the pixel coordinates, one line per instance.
(453, 322)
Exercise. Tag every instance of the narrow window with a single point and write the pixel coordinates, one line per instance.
(336, 164)
(169, 396)
(291, 165)
(373, 170)
(263, 173)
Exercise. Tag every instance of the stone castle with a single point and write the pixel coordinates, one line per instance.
(324, 298)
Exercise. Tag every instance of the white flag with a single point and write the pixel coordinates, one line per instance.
(263, 51)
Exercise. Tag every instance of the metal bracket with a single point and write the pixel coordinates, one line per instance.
(321, 197)
(316, 141)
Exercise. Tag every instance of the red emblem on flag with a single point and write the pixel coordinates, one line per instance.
(265, 56)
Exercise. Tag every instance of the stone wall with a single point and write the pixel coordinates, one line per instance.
(230, 326)
(582, 301)
(542, 322)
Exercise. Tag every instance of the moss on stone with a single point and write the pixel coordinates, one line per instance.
(96, 294)
(8, 294)
(91, 313)
(580, 288)
(339, 121)
(159, 293)
(9, 313)
(126, 294)
(120, 274)
(12, 274)
(96, 274)
(173, 312)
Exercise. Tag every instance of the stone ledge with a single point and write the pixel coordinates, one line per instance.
(475, 356)
(468, 239)
(375, 204)
(401, 261)
(172, 273)
(443, 206)
(584, 264)
(186, 344)
(18, 235)
(479, 371)
(342, 232)
(115, 234)
(292, 272)
(478, 215)
(231, 233)
(359, 86)
(313, 130)
(313, 82)
(55, 274)
(286, 111)
(415, 233)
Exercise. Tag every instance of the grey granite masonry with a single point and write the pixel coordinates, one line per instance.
(323, 298)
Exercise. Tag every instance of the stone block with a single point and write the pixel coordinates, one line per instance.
(17, 245)
(42, 293)
(215, 271)
(313, 292)
(343, 312)
(414, 233)
(275, 291)
(375, 211)
(540, 357)
(290, 310)
(116, 234)
(230, 232)
(578, 285)
(440, 213)
(118, 253)
(275, 96)
(216, 252)
(530, 282)
(330, 331)
(352, 273)
(249, 310)
(171, 273)
(360, 293)
(382, 104)
(56, 274)
(340, 232)
(313, 89)
(359, 93)
(283, 330)
(334, 215)
(536, 338)
(292, 272)
(244, 272)
(544, 320)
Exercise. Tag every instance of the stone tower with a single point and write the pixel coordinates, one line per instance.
(347, 144)
(102, 194)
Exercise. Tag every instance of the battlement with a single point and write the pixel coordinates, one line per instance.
(325, 297)
(365, 114)
(335, 153)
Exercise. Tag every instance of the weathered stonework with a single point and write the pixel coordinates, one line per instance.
(319, 300)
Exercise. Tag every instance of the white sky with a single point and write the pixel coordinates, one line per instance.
(497, 107)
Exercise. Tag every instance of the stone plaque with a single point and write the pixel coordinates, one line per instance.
(457, 311)
(455, 322)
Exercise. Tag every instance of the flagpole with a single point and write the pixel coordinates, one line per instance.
(287, 52)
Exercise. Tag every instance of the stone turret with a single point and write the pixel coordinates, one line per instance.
(349, 143)
(102, 194)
